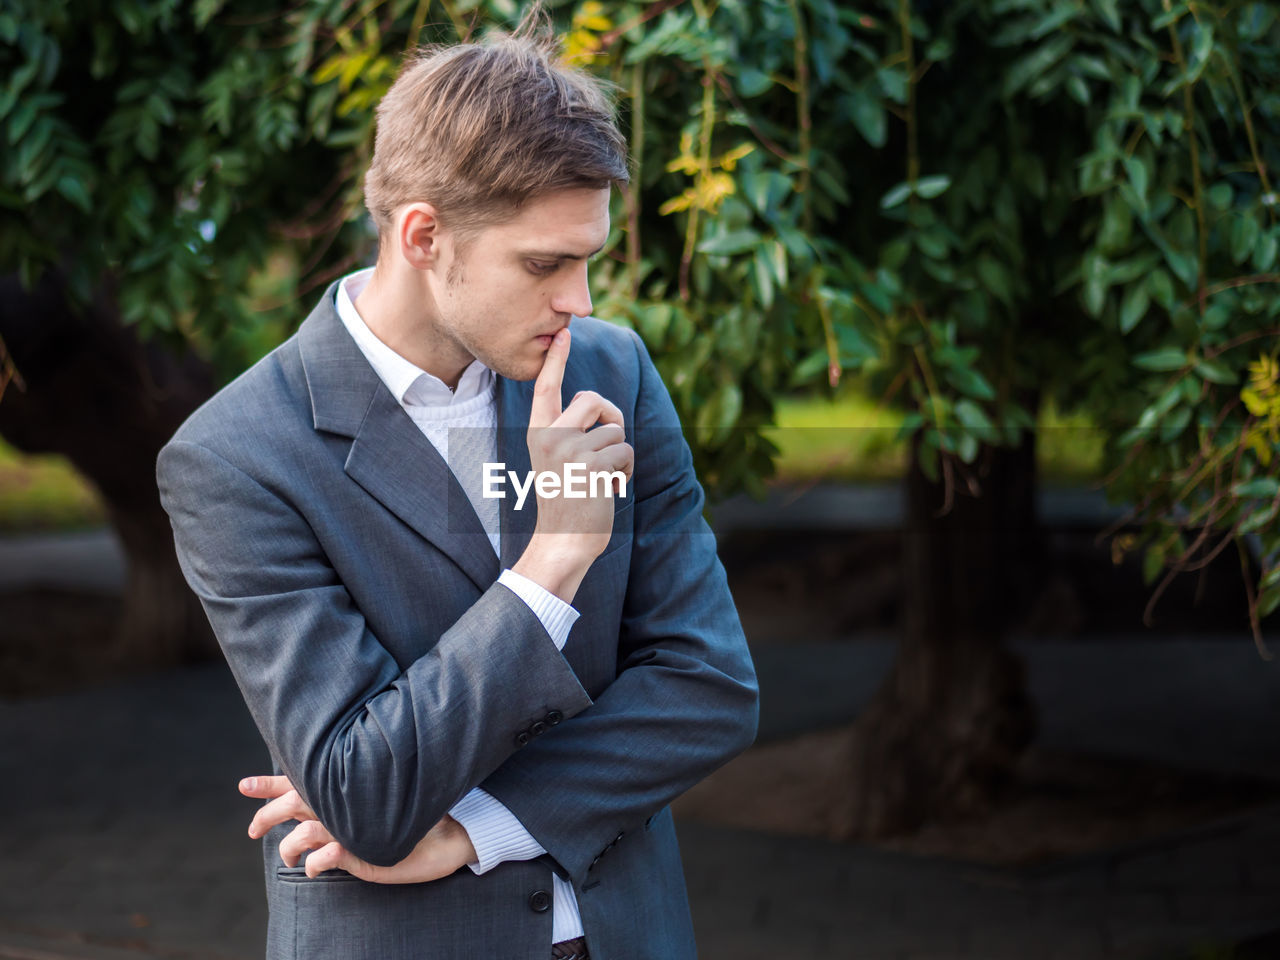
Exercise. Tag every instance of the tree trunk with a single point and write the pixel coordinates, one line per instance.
(944, 731)
(91, 391)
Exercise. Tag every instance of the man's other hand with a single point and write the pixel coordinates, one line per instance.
(445, 849)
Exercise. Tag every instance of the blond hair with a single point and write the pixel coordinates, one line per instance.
(477, 129)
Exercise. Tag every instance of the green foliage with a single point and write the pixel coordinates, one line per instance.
(978, 206)
(163, 150)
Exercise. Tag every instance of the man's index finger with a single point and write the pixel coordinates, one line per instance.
(546, 389)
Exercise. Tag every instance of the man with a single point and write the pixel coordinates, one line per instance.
(445, 679)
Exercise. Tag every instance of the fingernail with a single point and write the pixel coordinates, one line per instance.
(562, 335)
(249, 783)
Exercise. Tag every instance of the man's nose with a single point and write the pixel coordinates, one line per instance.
(575, 296)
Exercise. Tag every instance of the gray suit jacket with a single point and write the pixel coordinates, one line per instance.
(354, 594)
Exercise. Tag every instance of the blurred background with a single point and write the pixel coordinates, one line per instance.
(971, 312)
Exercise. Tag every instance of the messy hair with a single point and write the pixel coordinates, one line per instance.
(476, 129)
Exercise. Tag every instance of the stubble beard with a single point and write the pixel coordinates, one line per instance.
(502, 366)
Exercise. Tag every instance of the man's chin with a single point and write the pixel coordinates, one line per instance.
(518, 370)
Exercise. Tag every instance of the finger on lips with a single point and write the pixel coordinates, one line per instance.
(546, 388)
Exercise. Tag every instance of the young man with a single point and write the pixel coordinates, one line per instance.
(449, 681)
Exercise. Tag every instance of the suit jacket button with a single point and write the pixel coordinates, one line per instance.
(539, 901)
(538, 727)
(554, 717)
(522, 738)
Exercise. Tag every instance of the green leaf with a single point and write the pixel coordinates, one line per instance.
(737, 242)
(1201, 46)
(1138, 177)
(1183, 265)
(652, 323)
(1107, 8)
(1036, 63)
(932, 243)
(970, 381)
(926, 187)
(895, 195)
(1160, 286)
(1078, 89)
(753, 82)
(868, 115)
(1244, 234)
(1164, 358)
(893, 81)
(73, 189)
(21, 121)
(1174, 424)
(1116, 229)
(1134, 307)
(1257, 488)
(894, 253)
(1261, 517)
(1173, 15)
(1219, 195)
(930, 187)
(974, 418)
(1264, 253)
(762, 273)
(1268, 600)
(718, 415)
(996, 278)
(1217, 372)
(1215, 317)
(1095, 283)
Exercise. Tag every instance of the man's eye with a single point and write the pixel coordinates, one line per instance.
(542, 266)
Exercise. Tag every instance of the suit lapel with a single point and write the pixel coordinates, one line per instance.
(389, 456)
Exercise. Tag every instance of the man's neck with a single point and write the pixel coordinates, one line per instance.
(398, 310)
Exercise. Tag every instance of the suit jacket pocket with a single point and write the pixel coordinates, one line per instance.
(299, 875)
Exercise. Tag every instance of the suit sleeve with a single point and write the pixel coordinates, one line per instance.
(685, 700)
(378, 752)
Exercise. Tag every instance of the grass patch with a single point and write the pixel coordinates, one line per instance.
(41, 493)
(851, 439)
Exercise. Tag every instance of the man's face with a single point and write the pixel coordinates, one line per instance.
(517, 283)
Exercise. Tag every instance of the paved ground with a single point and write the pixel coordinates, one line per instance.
(121, 833)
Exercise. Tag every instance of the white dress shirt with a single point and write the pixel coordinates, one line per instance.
(494, 830)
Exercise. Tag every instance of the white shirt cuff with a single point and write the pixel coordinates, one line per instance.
(494, 831)
(557, 616)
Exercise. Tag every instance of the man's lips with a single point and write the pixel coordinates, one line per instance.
(546, 338)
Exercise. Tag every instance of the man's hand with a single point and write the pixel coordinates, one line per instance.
(445, 849)
(571, 533)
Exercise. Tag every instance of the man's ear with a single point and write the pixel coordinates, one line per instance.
(418, 235)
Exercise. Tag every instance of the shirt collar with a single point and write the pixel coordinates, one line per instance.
(408, 383)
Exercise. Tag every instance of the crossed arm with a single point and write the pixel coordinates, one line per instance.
(382, 754)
